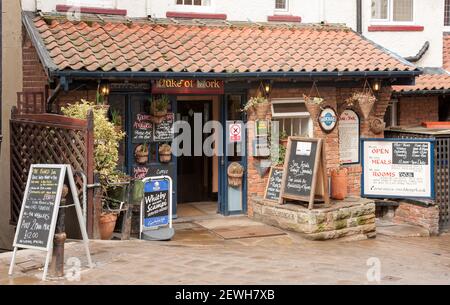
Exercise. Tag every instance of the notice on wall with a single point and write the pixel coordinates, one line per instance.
(349, 137)
(142, 129)
(164, 130)
(395, 168)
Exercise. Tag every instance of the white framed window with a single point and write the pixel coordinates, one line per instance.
(395, 11)
(293, 117)
(281, 5)
(391, 115)
(194, 2)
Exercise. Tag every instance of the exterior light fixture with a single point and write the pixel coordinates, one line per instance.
(376, 85)
(104, 89)
(265, 88)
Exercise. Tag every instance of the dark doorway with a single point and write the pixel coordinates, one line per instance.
(444, 108)
(194, 172)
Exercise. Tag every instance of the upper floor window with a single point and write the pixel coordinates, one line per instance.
(393, 10)
(447, 13)
(194, 2)
(281, 5)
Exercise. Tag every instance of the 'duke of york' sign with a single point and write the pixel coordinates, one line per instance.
(398, 168)
(188, 86)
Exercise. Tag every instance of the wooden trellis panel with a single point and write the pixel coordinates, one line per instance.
(30, 102)
(50, 139)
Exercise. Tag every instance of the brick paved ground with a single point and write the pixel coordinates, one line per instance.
(198, 256)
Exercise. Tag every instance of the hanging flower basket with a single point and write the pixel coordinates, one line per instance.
(165, 153)
(313, 101)
(235, 173)
(141, 154)
(377, 125)
(158, 109)
(257, 106)
(363, 101)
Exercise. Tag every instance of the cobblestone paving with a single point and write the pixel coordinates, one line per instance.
(200, 257)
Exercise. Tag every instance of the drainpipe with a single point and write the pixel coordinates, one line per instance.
(52, 98)
(359, 16)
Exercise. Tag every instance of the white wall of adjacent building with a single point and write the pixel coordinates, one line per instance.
(427, 13)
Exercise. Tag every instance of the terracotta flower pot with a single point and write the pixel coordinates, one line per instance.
(284, 142)
(339, 184)
(107, 224)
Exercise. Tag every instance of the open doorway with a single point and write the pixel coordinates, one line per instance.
(194, 170)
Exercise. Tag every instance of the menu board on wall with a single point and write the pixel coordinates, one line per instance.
(40, 204)
(349, 137)
(154, 170)
(164, 130)
(398, 168)
(142, 129)
(274, 184)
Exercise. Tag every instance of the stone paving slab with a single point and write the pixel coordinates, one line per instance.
(193, 258)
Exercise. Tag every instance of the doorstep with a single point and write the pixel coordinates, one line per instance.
(351, 219)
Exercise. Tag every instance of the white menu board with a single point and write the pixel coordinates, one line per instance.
(349, 137)
(397, 168)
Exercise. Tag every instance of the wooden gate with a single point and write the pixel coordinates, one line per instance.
(51, 139)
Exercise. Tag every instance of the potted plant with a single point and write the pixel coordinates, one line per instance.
(235, 172)
(284, 138)
(141, 153)
(106, 151)
(165, 153)
(258, 105)
(339, 183)
(158, 108)
(313, 104)
(116, 119)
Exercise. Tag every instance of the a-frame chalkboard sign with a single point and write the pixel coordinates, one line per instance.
(304, 175)
(39, 211)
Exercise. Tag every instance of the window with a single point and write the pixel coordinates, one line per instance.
(392, 10)
(194, 2)
(447, 13)
(391, 115)
(293, 117)
(281, 5)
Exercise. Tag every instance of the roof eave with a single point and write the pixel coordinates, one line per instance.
(421, 92)
(241, 75)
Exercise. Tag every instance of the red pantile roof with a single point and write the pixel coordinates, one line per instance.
(228, 47)
(426, 82)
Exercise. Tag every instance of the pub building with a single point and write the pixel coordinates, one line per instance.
(209, 69)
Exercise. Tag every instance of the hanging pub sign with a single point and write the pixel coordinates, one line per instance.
(188, 86)
(164, 131)
(327, 119)
(304, 172)
(142, 129)
(349, 137)
(398, 168)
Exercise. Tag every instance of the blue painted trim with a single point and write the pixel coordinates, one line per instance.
(432, 166)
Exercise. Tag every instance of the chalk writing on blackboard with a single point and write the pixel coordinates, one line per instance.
(142, 129)
(274, 184)
(164, 130)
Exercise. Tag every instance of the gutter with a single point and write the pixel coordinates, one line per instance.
(53, 97)
(73, 74)
(421, 92)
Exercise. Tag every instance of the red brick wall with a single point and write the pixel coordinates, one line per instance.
(412, 111)
(426, 217)
(34, 77)
(334, 97)
(446, 51)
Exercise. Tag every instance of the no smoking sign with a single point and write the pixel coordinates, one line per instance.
(235, 133)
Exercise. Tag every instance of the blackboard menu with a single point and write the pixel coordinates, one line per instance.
(156, 203)
(164, 130)
(142, 129)
(154, 170)
(299, 169)
(38, 209)
(410, 153)
(274, 184)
